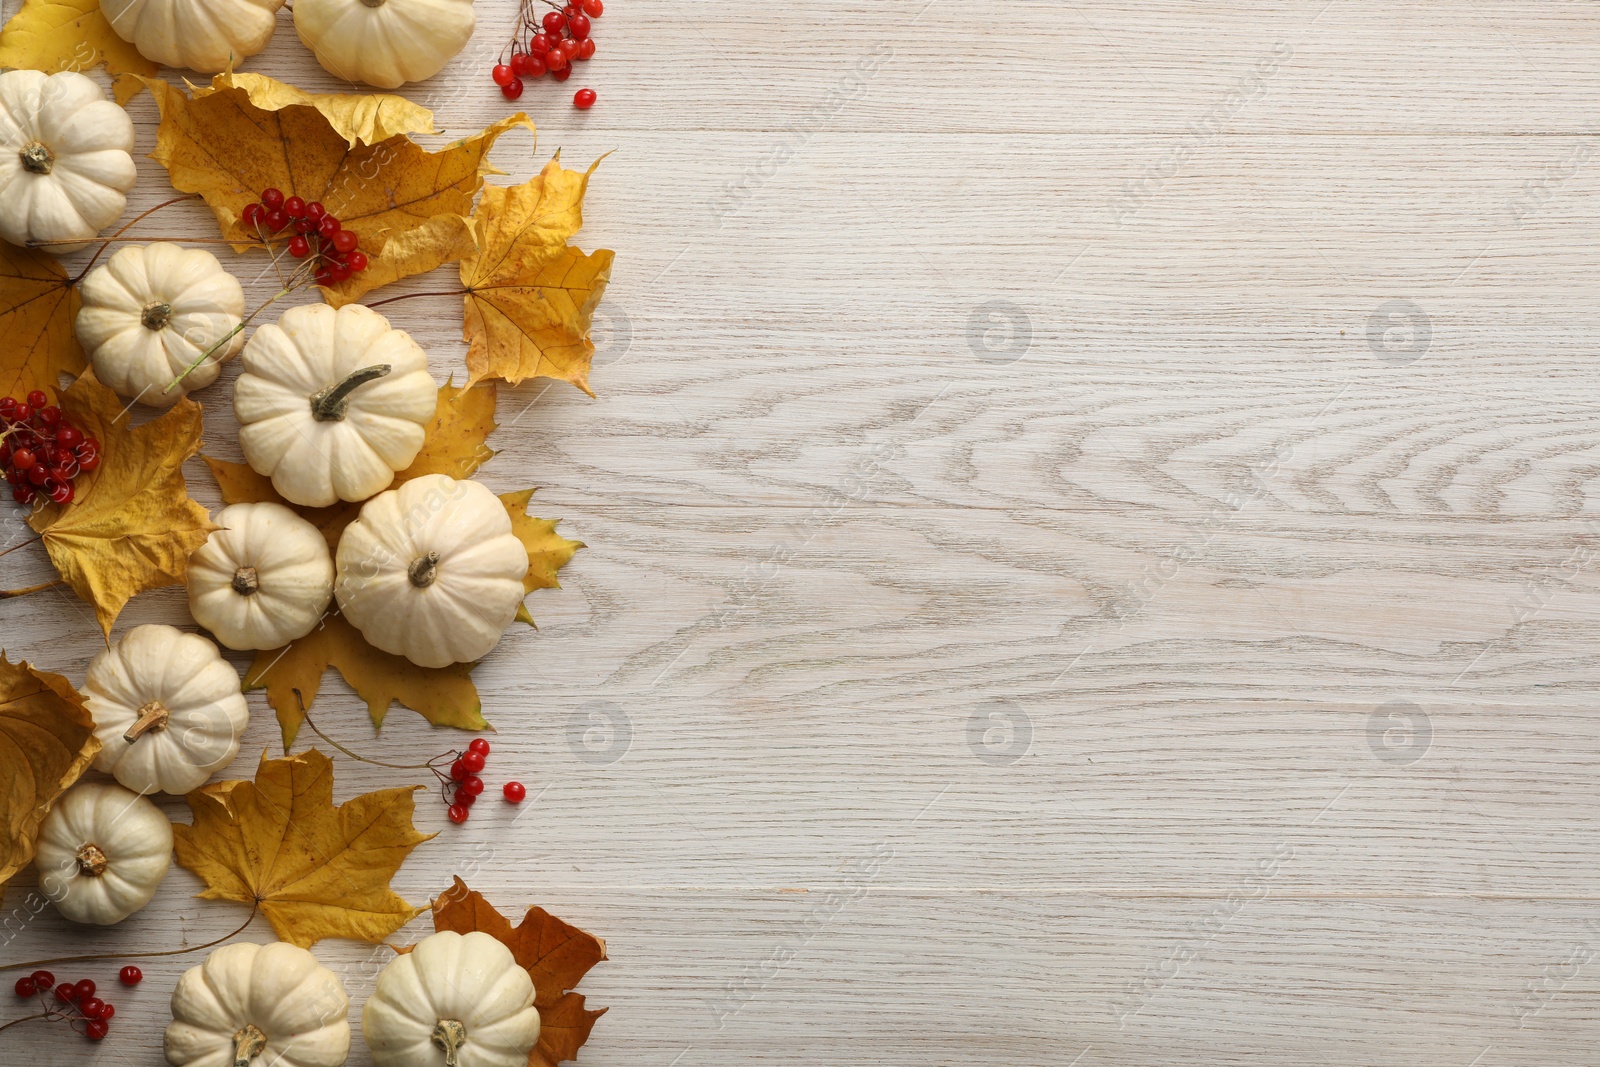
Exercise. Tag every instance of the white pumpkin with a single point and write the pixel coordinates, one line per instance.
(102, 852)
(205, 35)
(431, 571)
(167, 709)
(261, 581)
(152, 310)
(384, 42)
(457, 1000)
(264, 1005)
(332, 403)
(65, 162)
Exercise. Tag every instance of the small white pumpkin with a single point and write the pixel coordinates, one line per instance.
(167, 709)
(208, 36)
(431, 571)
(261, 581)
(384, 42)
(460, 1000)
(102, 852)
(65, 162)
(332, 403)
(152, 310)
(267, 1005)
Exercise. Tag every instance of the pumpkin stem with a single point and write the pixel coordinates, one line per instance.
(423, 570)
(331, 403)
(36, 158)
(152, 717)
(155, 314)
(373, 3)
(246, 581)
(450, 1035)
(248, 1043)
(91, 861)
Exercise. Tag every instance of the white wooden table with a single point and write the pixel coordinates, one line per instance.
(1092, 547)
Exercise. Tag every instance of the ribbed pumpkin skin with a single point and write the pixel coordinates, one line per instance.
(131, 833)
(297, 1005)
(203, 35)
(396, 42)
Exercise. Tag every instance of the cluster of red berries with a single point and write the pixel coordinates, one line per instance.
(76, 1000)
(552, 45)
(466, 786)
(40, 451)
(335, 247)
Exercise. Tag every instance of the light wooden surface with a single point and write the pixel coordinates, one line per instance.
(1207, 676)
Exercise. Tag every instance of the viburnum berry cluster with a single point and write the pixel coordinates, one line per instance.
(311, 231)
(548, 45)
(467, 786)
(41, 452)
(74, 1002)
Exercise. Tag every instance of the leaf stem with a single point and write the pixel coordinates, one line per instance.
(8, 594)
(105, 242)
(364, 759)
(254, 908)
(288, 287)
(408, 296)
(23, 544)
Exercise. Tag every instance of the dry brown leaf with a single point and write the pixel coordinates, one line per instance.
(548, 551)
(315, 870)
(292, 675)
(530, 296)
(453, 444)
(555, 954)
(132, 525)
(52, 35)
(46, 741)
(358, 117)
(228, 142)
(37, 306)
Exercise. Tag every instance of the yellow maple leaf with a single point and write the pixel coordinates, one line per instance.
(132, 525)
(52, 35)
(555, 954)
(548, 551)
(46, 741)
(315, 869)
(292, 676)
(232, 139)
(358, 117)
(530, 296)
(37, 306)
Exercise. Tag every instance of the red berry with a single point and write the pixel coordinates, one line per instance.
(24, 458)
(106, 1012)
(325, 277)
(8, 404)
(569, 48)
(38, 399)
(578, 26)
(68, 436)
(47, 416)
(88, 458)
(340, 272)
(519, 67)
(24, 412)
(294, 207)
(563, 74)
(91, 1007)
(594, 8)
(328, 226)
(479, 745)
(554, 22)
(61, 492)
(22, 494)
(254, 215)
(472, 761)
(277, 219)
(470, 786)
(458, 771)
(272, 198)
(502, 74)
(26, 987)
(315, 210)
(587, 50)
(83, 990)
(299, 247)
(345, 241)
(130, 975)
(583, 99)
(466, 800)
(305, 226)
(536, 66)
(65, 992)
(555, 60)
(540, 43)
(357, 261)
(38, 474)
(515, 792)
(512, 89)
(458, 813)
(96, 1029)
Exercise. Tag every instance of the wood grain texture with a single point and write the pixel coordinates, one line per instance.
(1092, 536)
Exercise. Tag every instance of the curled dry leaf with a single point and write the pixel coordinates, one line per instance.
(52, 35)
(314, 868)
(530, 296)
(132, 525)
(37, 306)
(555, 954)
(357, 117)
(46, 742)
(236, 137)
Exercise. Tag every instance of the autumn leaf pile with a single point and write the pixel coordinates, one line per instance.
(278, 843)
